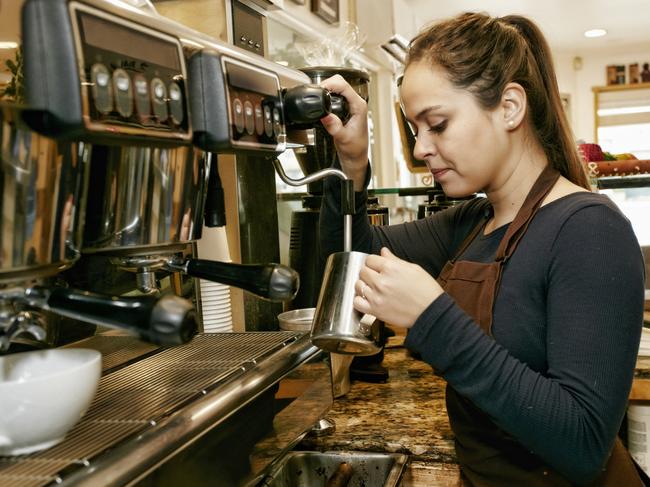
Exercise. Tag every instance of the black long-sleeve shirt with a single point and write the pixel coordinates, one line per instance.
(566, 325)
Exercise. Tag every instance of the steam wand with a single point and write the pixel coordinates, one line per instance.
(347, 195)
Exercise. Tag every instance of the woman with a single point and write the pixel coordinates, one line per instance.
(535, 312)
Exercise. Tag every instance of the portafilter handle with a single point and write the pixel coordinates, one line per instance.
(275, 282)
(168, 320)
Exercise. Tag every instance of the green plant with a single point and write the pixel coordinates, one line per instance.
(15, 89)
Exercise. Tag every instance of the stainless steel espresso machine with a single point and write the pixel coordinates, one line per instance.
(125, 110)
(44, 183)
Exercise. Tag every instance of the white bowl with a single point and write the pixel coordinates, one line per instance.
(42, 396)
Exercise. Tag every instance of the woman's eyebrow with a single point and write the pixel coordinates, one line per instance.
(422, 113)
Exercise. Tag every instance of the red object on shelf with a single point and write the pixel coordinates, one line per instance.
(591, 152)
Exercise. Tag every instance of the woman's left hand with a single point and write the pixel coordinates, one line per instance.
(394, 290)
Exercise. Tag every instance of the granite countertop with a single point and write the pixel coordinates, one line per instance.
(407, 414)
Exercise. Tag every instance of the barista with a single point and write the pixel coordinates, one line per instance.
(528, 302)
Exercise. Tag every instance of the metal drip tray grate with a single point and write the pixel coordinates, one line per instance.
(134, 398)
(116, 350)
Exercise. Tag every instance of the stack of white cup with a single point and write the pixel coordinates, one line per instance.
(216, 309)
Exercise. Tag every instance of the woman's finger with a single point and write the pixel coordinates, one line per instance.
(337, 84)
(360, 288)
(332, 124)
(368, 276)
(362, 305)
(376, 262)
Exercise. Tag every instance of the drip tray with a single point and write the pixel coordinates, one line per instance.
(133, 399)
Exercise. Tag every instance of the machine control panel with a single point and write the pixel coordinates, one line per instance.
(255, 105)
(241, 108)
(132, 77)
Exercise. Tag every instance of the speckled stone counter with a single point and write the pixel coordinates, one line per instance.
(405, 415)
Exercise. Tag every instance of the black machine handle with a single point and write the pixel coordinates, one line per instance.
(214, 213)
(305, 105)
(275, 282)
(168, 320)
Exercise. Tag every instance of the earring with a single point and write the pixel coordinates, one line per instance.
(511, 124)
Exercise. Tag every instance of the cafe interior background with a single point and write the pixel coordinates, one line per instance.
(370, 35)
(602, 79)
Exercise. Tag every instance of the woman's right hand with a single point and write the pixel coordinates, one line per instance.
(351, 139)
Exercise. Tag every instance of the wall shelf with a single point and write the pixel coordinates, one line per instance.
(619, 182)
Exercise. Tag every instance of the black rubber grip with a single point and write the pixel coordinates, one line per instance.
(168, 320)
(275, 282)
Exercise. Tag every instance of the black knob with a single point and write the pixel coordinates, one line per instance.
(172, 322)
(306, 104)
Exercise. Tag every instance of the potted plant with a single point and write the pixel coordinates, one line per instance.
(15, 89)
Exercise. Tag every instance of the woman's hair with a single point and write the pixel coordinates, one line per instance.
(483, 54)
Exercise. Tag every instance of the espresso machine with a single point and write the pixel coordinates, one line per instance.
(147, 203)
(127, 194)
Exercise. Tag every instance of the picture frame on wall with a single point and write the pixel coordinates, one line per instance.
(328, 10)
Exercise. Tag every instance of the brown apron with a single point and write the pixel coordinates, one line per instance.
(489, 456)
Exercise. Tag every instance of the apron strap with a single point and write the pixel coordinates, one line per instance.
(519, 225)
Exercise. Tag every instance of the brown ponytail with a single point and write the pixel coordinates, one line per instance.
(484, 54)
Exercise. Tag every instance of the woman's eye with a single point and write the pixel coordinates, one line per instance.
(438, 128)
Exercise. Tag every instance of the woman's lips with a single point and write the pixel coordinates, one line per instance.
(438, 173)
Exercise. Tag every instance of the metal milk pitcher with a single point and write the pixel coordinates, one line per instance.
(337, 326)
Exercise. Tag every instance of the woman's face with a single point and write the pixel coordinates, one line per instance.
(463, 145)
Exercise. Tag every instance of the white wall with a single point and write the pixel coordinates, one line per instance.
(301, 15)
(578, 83)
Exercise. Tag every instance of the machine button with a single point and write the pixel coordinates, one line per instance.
(176, 103)
(238, 114)
(102, 93)
(277, 122)
(142, 102)
(123, 90)
(268, 121)
(249, 117)
(259, 120)
(101, 77)
(159, 99)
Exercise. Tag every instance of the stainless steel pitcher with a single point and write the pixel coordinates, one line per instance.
(337, 326)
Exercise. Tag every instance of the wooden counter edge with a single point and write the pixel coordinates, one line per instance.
(425, 474)
(640, 390)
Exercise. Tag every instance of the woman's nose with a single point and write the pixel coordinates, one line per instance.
(423, 147)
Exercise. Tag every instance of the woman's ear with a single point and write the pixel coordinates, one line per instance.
(513, 105)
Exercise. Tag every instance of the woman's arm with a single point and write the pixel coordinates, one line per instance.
(569, 416)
